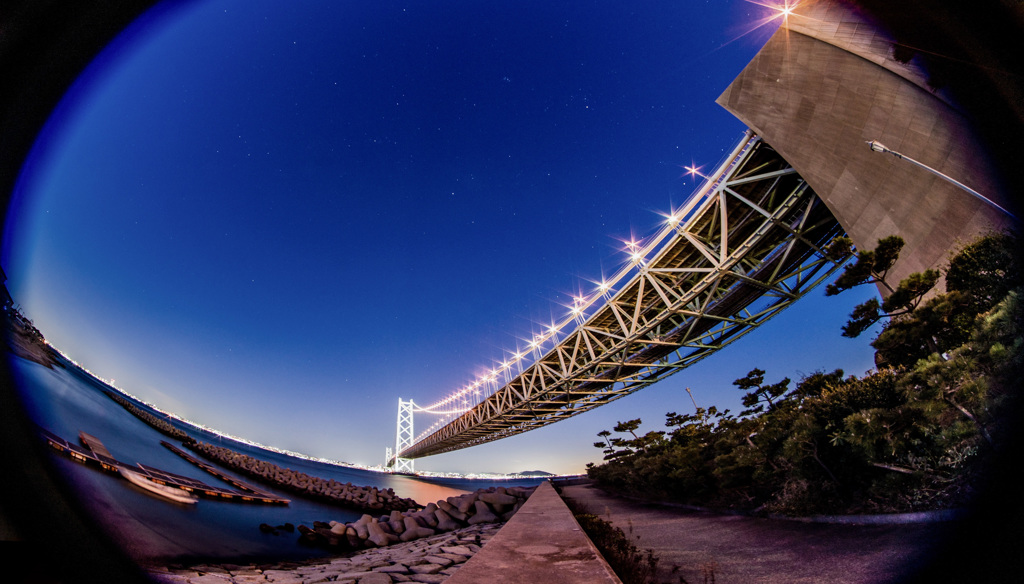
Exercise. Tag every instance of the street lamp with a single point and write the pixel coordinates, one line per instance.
(877, 146)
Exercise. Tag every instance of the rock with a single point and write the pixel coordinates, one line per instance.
(353, 540)
(440, 561)
(451, 510)
(378, 536)
(283, 576)
(428, 578)
(483, 514)
(428, 515)
(445, 522)
(360, 527)
(455, 558)
(413, 530)
(466, 502)
(498, 499)
(520, 492)
(425, 568)
(312, 538)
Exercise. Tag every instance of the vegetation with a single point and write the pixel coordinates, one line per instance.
(915, 434)
(629, 563)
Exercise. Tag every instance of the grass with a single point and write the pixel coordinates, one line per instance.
(630, 564)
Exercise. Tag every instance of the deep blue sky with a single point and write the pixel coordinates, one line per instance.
(278, 218)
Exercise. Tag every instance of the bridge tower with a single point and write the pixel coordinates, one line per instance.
(404, 437)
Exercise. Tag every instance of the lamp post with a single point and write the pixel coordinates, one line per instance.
(877, 146)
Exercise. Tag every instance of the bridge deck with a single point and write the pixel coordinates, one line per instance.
(752, 243)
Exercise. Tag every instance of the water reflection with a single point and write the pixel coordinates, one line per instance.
(66, 401)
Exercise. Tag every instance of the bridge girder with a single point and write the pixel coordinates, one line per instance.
(751, 243)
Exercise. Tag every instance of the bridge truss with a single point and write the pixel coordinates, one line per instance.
(751, 242)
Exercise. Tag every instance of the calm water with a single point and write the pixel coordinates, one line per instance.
(67, 401)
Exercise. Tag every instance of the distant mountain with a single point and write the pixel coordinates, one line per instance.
(535, 473)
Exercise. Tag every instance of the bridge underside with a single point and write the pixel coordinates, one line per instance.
(826, 83)
(753, 244)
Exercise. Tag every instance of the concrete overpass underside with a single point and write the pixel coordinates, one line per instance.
(824, 85)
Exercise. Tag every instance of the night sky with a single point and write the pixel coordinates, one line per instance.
(277, 219)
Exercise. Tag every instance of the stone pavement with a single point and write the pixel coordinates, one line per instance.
(430, 560)
(700, 547)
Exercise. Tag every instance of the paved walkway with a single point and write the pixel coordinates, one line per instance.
(693, 545)
(541, 543)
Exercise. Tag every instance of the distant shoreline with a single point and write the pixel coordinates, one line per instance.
(21, 344)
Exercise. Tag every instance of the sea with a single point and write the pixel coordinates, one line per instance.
(68, 400)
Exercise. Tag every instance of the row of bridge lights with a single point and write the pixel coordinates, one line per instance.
(471, 393)
(782, 10)
(473, 390)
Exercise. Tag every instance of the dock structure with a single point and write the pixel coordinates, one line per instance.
(94, 445)
(95, 454)
(252, 492)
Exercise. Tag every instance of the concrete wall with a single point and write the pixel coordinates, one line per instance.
(823, 86)
(541, 543)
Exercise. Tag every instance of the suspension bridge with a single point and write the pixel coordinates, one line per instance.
(750, 242)
(754, 238)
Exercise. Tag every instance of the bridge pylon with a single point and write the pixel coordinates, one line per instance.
(404, 437)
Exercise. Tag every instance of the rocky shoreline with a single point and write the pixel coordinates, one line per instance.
(430, 560)
(496, 504)
(426, 545)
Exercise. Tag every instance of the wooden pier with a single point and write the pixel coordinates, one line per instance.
(95, 454)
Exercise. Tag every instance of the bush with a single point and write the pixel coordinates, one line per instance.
(914, 435)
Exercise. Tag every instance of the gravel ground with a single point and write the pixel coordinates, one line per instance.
(697, 546)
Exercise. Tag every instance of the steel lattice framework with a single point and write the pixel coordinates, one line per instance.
(403, 437)
(746, 247)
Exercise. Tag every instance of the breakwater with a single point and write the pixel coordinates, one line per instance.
(344, 494)
(160, 425)
(492, 505)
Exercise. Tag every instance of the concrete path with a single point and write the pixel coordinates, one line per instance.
(541, 543)
(698, 547)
